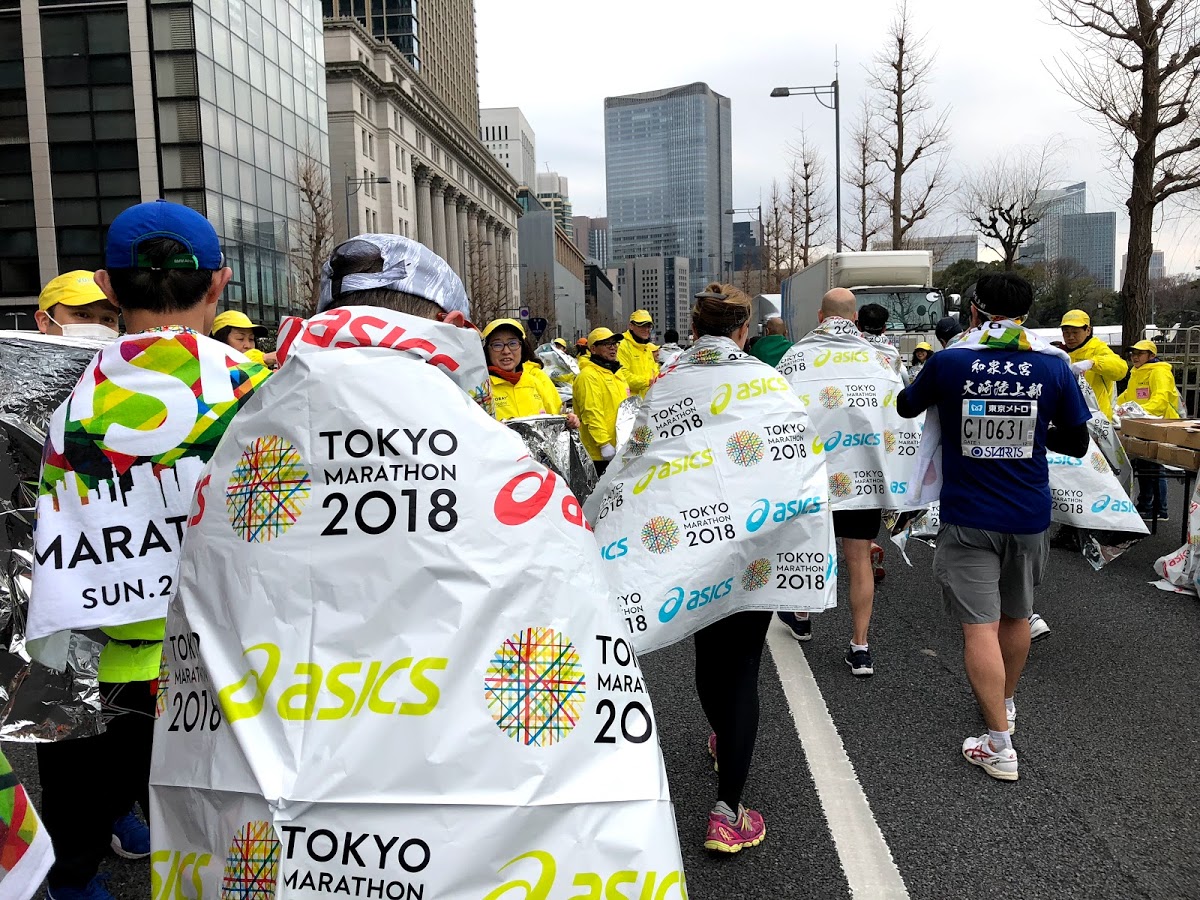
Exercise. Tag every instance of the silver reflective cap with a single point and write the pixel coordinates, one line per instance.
(407, 266)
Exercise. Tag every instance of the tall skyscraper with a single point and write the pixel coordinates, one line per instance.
(669, 174)
(437, 39)
(553, 193)
(659, 285)
(1091, 240)
(508, 136)
(1158, 266)
(591, 237)
(214, 105)
(1044, 241)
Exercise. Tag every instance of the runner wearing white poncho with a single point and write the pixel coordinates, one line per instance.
(714, 514)
(391, 658)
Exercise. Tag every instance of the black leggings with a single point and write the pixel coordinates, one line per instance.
(728, 654)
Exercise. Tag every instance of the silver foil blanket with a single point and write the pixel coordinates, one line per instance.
(558, 448)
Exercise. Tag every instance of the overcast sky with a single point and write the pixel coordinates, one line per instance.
(558, 62)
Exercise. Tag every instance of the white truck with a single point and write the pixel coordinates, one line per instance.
(900, 280)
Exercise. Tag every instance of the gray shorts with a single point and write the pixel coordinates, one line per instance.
(986, 573)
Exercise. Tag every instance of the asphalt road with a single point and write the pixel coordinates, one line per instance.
(1107, 805)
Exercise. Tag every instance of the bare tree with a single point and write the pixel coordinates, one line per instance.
(482, 286)
(538, 295)
(914, 138)
(864, 177)
(314, 235)
(812, 209)
(774, 246)
(1006, 197)
(1139, 76)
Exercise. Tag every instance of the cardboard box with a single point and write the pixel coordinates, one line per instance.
(1180, 432)
(1138, 448)
(1183, 457)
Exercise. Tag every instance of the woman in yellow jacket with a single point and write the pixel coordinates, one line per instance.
(234, 329)
(519, 386)
(1152, 387)
(600, 387)
(1100, 367)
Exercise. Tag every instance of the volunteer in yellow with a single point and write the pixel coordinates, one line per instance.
(519, 386)
(234, 329)
(637, 355)
(1152, 387)
(73, 305)
(599, 389)
(920, 356)
(1092, 358)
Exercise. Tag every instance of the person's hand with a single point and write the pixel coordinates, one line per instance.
(573, 421)
(607, 452)
(271, 360)
(1082, 366)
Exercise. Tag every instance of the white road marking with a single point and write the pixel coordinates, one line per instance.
(864, 854)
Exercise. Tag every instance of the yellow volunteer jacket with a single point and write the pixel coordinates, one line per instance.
(533, 395)
(638, 363)
(596, 394)
(1152, 387)
(1107, 369)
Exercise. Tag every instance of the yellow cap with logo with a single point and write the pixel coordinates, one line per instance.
(924, 345)
(1076, 318)
(233, 318)
(601, 334)
(76, 288)
(1146, 345)
(641, 317)
(503, 323)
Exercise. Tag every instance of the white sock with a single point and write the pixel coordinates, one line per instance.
(723, 808)
(857, 647)
(1001, 740)
(1010, 705)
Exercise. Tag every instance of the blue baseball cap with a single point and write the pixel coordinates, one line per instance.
(162, 219)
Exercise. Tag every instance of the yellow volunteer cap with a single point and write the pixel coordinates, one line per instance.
(601, 334)
(76, 288)
(641, 317)
(562, 342)
(923, 346)
(1146, 345)
(1076, 318)
(233, 318)
(504, 323)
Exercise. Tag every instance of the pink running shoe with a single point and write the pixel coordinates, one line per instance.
(712, 750)
(729, 837)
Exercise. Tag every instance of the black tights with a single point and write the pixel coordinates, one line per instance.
(728, 654)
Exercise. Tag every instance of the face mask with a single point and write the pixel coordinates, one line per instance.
(94, 332)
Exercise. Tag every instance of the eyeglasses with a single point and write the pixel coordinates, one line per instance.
(497, 346)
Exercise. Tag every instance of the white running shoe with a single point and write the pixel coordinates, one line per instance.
(1000, 764)
(1012, 719)
(1038, 628)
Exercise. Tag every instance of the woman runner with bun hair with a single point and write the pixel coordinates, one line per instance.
(728, 652)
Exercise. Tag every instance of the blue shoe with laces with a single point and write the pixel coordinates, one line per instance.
(97, 889)
(131, 837)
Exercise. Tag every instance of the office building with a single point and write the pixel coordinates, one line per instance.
(661, 286)
(1043, 243)
(1158, 267)
(591, 237)
(601, 299)
(210, 105)
(553, 271)
(436, 39)
(509, 138)
(443, 188)
(947, 249)
(669, 178)
(745, 247)
(553, 194)
(1090, 239)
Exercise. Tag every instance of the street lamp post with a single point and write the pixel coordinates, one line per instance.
(761, 238)
(821, 91)
(356, 183)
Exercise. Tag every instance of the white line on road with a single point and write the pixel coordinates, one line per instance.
(864, 854)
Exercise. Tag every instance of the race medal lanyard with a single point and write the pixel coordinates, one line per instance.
(998, 429)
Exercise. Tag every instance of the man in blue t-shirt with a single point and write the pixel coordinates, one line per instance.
(1001, 408)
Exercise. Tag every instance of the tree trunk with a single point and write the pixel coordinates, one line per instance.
(898, 169)
(1136, 289)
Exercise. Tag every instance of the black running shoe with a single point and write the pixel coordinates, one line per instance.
(860, 662)
(801, 628)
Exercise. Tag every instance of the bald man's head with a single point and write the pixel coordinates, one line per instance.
(840, 303)
(776, 326)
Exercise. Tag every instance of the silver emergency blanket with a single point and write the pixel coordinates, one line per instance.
(562, 369)
(1181, 569)
(559, 448)
(37, 703)
(627, 414)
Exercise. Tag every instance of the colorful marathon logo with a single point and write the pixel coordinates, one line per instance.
(840, 484)
(889, 441)
(745, 448)
(1099, 463)
(660, 534)
(830, 397)
(267, 490)
(639, 440)
(756, 575)
(252, 866)
(164, 684)
(535, 687)
(707, 356)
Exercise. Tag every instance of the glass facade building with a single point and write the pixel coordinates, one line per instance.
(211, 103)
(669, 174)
(1091, 240)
